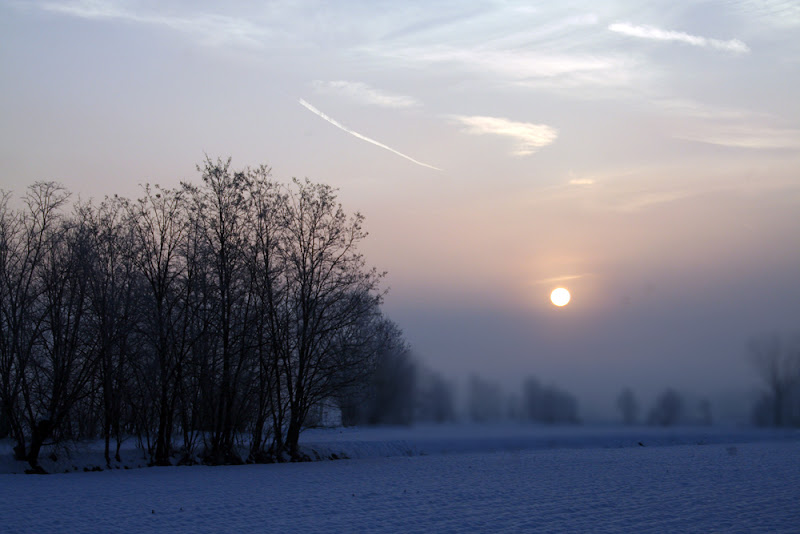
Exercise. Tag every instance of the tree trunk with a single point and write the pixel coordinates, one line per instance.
(293, 435)
(163, 437)
(40, 433)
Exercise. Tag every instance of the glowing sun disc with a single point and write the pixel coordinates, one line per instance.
(560, 296)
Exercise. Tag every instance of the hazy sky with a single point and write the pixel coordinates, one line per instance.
(645, 157)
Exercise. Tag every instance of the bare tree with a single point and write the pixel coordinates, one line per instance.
(159, 225)
(113, 289)
(222, 203)
(25, 240)
(270, 332)
(628, 406)
(65, 360)
(330, 294)
(220, 311)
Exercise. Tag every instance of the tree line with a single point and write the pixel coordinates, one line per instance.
(207, 315)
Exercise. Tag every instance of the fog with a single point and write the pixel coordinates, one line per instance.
(692, 339)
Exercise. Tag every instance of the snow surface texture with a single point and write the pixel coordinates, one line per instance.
(727, 486)
(662, 489)
(372, 442)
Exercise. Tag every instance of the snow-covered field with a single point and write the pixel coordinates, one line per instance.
(451, 479)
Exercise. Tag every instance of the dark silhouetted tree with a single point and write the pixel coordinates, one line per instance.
(113, 289)
(159, 224)
(28, 239)
(219, 312)
(331, 297)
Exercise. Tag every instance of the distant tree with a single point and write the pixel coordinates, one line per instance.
(387, 396)
(628, 406)
(667, 409)
(435, 398)
(393, 389)
(484, 400)
(548, 404)
(704, 412)
(513, 407)
(777, 361)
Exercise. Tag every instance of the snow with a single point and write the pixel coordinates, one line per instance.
(447, 479)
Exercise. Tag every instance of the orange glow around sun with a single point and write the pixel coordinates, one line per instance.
(560, 296)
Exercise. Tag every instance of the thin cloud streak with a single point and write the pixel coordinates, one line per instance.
(747, 137)
(560, 279)
(530, 136)
(698, 110)
(365, 94)
(341, 126)
(657, 34)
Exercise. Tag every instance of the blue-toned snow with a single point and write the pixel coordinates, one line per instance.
(497, 478)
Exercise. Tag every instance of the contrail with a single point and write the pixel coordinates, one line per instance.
(341, 126)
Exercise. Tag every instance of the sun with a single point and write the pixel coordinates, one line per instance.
(560, 296)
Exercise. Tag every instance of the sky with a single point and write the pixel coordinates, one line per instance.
(646, 156)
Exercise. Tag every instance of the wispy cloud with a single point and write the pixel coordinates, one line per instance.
(752, 137)
(581, 181)
(210, 28)
(657, 34)
(341, 126)
(519, 65)
(639, 201)
(780, 13)
(365, 94)
(700, 110)
(550, 47)
(731, 127)
(530, 137)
